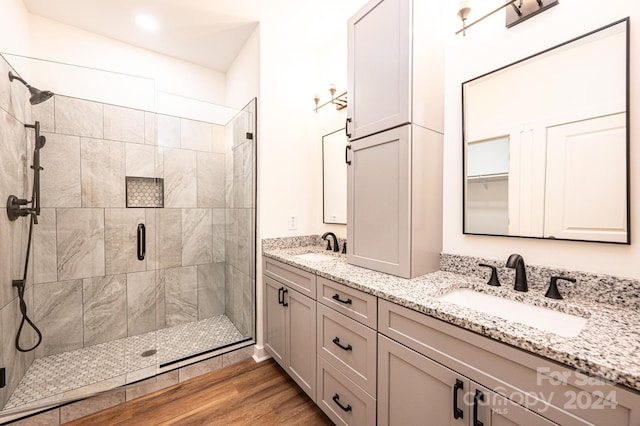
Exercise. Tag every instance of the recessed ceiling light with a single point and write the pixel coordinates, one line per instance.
(147, 22)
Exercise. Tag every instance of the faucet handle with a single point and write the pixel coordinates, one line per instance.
(553, 292)
(328, 245)
(344, 247)
(493, 280)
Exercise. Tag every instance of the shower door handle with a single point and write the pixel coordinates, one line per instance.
(142, 243)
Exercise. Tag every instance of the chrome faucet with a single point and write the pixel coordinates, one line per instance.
(335, 241)
(516, 261)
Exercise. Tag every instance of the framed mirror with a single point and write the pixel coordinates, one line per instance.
(546, 143)
(334, 178)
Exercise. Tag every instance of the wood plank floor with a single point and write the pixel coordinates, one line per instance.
(246, 393)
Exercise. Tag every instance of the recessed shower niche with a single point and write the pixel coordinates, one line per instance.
(101, 306)
(145, 192)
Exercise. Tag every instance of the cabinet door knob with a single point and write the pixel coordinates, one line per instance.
(479, 396)
(336, 399)
(337, 342)
(457, 412)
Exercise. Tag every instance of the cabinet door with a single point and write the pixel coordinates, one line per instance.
(379, 41)
(274, 321)
(378, 202)
(491, 409)
(414, 390)
(301, 341)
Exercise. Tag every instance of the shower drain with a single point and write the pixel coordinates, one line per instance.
(148, 353)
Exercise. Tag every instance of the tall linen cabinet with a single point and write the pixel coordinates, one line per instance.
(395, 130)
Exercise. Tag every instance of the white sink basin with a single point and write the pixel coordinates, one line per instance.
(314, 257)
(545, 319)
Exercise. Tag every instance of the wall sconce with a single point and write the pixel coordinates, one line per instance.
(520, 11)
(339, 101)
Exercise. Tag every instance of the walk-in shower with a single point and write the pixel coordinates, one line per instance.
(143, 257)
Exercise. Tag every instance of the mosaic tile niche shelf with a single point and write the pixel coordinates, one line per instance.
(145, 192)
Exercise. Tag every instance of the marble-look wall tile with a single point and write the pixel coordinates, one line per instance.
(200, 368)
(168, 131)
(180, 183)
(221, 143)
(45, 254)
(153, 384)
(44, 113)
(245, 241)
(228, 179)
(60, 184)
(248, 175)
(231, 248)
(123, 124)
(168, 238)
(219, 235)
(238, 176)
(237, 356)
(197, 236)
(150, 128)
(11, 256)
(80, 244)
(210, 180)
(5, 85)
(15, 96)
(211, 290)
(121, 242)
(196, 135)
(141, 302)
(48, 418)
(103, 180)
(142, 160)
(91, 405)
(4, 346)
(13, 152)
(150, 229)
(105, 309)
(161, 318)
(58, 313)
(181, 296)
(233, 294)
(78, 117)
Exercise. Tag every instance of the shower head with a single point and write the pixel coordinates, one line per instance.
(37, 95)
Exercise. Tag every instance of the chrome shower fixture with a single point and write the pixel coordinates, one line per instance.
(37, 95)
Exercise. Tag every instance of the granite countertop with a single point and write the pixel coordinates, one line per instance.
(607, 347)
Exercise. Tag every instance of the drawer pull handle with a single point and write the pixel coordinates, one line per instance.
(457, 412)
(479, 396)
(280, 295)
(346, 348)
(336, 399)
(337, 297)
(284, 292)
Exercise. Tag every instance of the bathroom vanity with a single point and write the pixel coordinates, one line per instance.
(372, 348)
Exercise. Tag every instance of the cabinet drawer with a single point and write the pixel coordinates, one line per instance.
(342, 400)
(349, 301)
(349, 346)
(297, 279)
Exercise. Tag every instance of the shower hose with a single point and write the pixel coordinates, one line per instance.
(20, 285)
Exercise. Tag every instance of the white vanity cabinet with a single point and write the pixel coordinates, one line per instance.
(395, 66)
(395, 125)
(290, 322)
(420, 360)
(394, 201)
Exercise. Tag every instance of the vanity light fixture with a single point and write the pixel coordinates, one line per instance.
(339, 101)
(520, 11)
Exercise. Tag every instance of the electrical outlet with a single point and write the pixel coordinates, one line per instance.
(293, 223)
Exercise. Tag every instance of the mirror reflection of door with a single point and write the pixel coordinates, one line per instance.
(546, 143)
(334, 178)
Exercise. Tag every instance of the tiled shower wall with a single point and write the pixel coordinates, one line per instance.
(241, 217)
(90, 286)
(14, 145)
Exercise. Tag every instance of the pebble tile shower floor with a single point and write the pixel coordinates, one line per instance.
(55, 375)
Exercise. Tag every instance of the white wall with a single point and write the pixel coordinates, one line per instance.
(489, 45)
(243, 76)
(54, 41)
(14, 27)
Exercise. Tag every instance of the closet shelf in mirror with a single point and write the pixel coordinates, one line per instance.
(498, 176)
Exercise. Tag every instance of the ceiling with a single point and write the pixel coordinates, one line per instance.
(205, 32)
